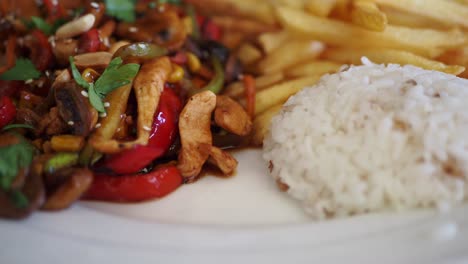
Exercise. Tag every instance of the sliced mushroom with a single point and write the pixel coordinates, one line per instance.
(71, 190)
(148, 86)
(74, 108)
(75, 27)
(96, 60)
(195, 133)
(231, 116)
(223, 160)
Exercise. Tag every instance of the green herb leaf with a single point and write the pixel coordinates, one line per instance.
(23, 70)
(14, 157)
(115, 75)
(77, 75)
(13, 126)
(173, 2)
(78, 12)
(95, 99)
(121, 9)
(19, 199)
(42, 25)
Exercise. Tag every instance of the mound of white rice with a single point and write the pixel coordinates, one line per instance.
(373, 138)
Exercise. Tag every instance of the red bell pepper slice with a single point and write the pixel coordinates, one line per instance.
(179, 58)
(211, 31)
(208, 28)
(41, 54)
(89, 41)
(54, 9)
(163, 133)
(133, 188)
(7, 111)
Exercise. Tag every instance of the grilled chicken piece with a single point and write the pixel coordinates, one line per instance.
(223, 160)
(231, 116)
(148, 85)
(195, 133)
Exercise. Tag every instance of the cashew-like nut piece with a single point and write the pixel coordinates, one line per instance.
(75, 27)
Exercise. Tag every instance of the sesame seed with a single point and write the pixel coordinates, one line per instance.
(103, 114)
(70, 123)
(98, 125)
(84, 93)
(94, 5)
(28, 81)
(147, 128)
(106, 104)
(132, 29)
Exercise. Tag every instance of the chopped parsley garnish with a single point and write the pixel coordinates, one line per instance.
(44, 26)
(114, 76)
(23, 70)
(14, 158)
(121, 9)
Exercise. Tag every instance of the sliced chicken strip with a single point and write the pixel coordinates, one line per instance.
(223, 160)
(148, 86)
(195, 133)
(231, 116)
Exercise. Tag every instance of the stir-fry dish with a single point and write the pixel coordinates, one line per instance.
(117, 100)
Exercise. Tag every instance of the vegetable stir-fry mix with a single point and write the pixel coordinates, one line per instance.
(115, 100)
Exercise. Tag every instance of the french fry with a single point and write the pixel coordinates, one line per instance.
(291, 3)
(457, 57)
(271, 40)
(289, 54)
(425, 42)
(321, 8)
(353, 56)
(367, 15)
(342, 10)
(261, 124)
(233, 39)
(248, 54)
(236, 90)
(261, 11)
(443, 11)
(247, 26)
(401, 18)
(279, 93)
(313, 68)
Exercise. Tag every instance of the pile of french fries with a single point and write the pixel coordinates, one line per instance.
(290, 44)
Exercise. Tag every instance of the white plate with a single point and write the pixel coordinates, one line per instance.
(244, 219)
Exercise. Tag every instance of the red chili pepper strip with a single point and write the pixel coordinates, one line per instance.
(249, 84)
(165, 123)
(41, 55)
(133, 188)
(54, 9)
(179, 58)
(11, 88)
(211, 31)
(10, 54)
(89, 41)
(163, 133)
(7, 111)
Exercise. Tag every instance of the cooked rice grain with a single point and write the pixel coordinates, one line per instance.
(373, 138)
